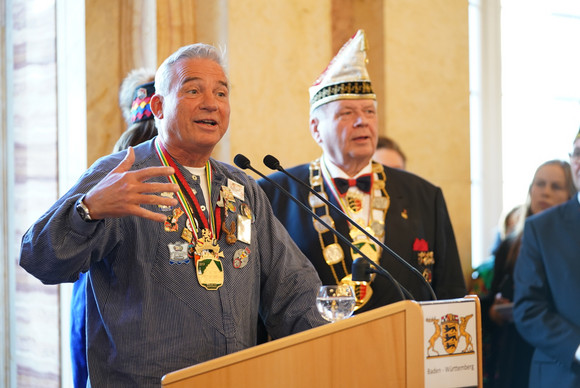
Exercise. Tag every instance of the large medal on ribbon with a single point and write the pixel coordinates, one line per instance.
(208, 266)
(205, 251)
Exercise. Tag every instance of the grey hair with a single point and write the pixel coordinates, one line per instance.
(197, 50)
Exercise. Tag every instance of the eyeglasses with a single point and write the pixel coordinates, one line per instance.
(575, 156)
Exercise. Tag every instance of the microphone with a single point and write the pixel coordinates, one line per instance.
(244, 163)
(361, 270)
(273, 163)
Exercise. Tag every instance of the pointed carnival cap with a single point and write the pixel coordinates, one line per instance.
(577, 136)
(346, 76)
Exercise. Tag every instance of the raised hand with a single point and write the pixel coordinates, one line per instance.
(122, 192)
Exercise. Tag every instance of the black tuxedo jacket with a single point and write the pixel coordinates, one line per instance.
(417, 211)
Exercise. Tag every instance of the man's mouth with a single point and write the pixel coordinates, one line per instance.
(206, 122)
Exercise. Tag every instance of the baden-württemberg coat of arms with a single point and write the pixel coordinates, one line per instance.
(450, 328)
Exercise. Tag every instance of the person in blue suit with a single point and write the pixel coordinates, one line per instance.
(546, 308)
(405, 211)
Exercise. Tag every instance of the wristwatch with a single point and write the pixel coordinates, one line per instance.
(83, 210)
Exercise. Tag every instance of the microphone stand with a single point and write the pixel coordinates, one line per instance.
(274, 164)
(244, 163)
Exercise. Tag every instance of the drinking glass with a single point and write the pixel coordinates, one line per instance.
(335, 302)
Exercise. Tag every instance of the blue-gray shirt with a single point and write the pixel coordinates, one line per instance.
(147, 315)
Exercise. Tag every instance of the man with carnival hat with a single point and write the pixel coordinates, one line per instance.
(403, 210)
(546, 289)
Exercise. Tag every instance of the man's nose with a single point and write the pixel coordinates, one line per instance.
(360, 120)
(209, 102)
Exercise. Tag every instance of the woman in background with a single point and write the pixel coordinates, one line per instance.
(508, 363)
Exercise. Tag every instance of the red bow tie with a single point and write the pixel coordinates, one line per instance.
(363, 182)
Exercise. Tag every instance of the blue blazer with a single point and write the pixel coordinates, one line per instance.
(547, 294)
(417, 211)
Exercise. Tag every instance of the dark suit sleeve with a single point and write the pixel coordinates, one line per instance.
(448, 280)
(535, 313)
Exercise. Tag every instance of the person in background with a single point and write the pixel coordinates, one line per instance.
(482, 276)
(183, 252)
(389, 153)
(405, 211)
(546, 282)
(508, 359)
(135, 94)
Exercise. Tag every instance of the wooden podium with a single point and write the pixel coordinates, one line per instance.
(384, 347)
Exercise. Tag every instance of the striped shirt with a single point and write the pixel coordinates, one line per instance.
(147, 315)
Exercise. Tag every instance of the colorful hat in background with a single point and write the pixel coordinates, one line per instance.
(141, 108)
(346, 76)
(577, 136)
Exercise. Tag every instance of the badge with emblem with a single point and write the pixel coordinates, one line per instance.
(230, 232)
(244, 229)
(208, 266)
(362, 291)
(237, 189)
(178, 253)
(364, 244)
(354, 200)
(171, 221)
(164, 207)
(241, 257)
(246, 211)
(226, 200)
(187, 235)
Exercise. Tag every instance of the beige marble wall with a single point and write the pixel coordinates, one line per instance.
(120, 36)
(427, 109)
(276, 50)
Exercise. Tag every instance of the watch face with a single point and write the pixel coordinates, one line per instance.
(83, 211)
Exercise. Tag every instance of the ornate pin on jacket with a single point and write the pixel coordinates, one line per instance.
(425, 258)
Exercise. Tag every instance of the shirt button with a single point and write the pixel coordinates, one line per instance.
(194, 191)
(202, 207)
(194, 177)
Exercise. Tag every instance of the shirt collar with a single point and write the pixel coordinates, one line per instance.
(337, 172)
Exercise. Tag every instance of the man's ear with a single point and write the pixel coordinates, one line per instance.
(157, 105)
(314, 129)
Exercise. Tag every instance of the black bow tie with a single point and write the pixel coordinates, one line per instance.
(363, 182)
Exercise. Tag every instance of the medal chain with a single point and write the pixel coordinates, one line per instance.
(317, 183)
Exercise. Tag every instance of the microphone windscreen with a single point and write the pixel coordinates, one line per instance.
(271, 162)
(360, 270)
(241, 161)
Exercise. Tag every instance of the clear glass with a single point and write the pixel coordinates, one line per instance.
(335, 302)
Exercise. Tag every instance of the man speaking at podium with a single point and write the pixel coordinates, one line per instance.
(182, 252)
(403, 210)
